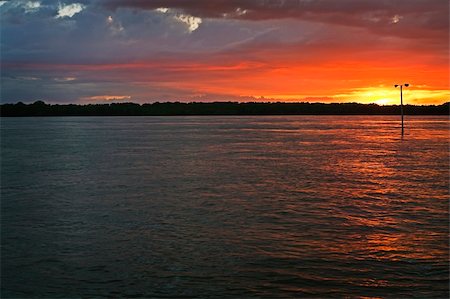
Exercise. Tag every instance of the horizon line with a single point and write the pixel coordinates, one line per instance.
(213, 102)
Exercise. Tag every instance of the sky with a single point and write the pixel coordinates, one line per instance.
(102, 51)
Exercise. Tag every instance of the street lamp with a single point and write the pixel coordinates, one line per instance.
(401, 98)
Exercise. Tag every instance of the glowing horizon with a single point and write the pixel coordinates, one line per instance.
(247, 50)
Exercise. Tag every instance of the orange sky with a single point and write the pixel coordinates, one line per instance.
(138, 51)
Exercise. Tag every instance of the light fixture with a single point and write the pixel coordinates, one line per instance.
(401, 100)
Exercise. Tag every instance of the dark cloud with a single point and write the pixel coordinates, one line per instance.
(268, 9)
(408, 18)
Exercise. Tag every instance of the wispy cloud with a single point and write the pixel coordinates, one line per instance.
(65, 79)
(32, 6)
(106, 98)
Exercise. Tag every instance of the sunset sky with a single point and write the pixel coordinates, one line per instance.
(94, 51)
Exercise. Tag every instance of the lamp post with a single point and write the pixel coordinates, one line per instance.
(401, 99)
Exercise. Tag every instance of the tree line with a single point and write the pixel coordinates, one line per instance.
(40, 108)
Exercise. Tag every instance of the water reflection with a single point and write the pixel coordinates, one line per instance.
(225, 207)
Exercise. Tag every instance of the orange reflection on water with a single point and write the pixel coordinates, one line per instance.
(390, 213)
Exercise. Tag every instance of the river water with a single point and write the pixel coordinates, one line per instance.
(225, 207)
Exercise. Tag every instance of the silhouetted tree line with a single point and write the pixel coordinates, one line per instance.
(40, 108)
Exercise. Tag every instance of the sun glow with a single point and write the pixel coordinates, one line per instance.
(378, 95)
(391, 96)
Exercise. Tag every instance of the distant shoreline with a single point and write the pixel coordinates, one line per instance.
(40, 108)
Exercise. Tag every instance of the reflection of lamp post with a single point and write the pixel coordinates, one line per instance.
(401, 99)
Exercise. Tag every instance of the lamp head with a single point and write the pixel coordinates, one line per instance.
(396, 85)
(406, 84)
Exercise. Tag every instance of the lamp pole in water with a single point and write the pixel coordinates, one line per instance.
(401, 99)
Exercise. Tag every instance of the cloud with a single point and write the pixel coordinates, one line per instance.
(32, 6)
(65, 79)
(28, 78)
(162, 9)
(279, 9)
(395, 19)
(27, 6)
(191, 22)
(419, 16)
(69, 10)
(105, 98)
(114, 26)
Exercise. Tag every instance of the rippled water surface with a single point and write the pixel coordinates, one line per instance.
(216, 207)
